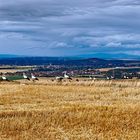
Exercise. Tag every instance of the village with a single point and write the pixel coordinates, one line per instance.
(53, 71)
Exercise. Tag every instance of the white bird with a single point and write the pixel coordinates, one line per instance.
(4, 78)
(67, 76)
(112, 77)
(125, 77)
(59, 78)
(26, 77)
(33, 77)
(107, 78)
(91, 78)
(94, 78)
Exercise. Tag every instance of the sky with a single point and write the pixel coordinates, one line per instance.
(69, 27)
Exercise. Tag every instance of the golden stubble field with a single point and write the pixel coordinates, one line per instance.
(84, 110)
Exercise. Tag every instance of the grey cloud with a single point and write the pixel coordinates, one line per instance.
(90, 24)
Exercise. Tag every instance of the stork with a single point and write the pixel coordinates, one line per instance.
(59, 78)
(91, 78)
(108, 78)
(33, 77)
(124, 77)
(112, 77)
(4, 78)
(67, 76)
(94, 78)
(26, 77)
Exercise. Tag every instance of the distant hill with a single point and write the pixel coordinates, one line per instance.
(82, 62)
(3, 56)
(110, 56)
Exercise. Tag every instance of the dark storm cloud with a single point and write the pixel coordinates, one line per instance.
(91, 25)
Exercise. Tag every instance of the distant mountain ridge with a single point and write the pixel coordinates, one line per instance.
(93, 62)
(70, 62)
(3, 56)
(110, 56)
(120, 56)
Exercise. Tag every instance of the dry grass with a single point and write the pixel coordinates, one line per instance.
(100, 110)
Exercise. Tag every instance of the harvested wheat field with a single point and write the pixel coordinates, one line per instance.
(92, 110)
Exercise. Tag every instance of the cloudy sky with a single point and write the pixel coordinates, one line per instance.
(69, 27)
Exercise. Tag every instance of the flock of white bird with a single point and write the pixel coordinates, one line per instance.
(58, 78)
(66, 76)
(34, 78)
